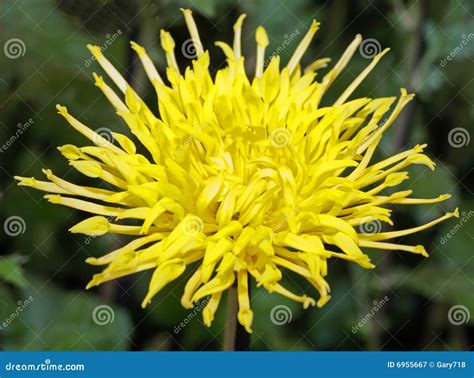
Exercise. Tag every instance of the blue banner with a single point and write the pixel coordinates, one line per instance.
(236, 364)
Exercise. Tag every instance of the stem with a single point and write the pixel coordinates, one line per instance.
(236, 337)
(231, 320)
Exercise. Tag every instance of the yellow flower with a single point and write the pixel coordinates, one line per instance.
(249, 178)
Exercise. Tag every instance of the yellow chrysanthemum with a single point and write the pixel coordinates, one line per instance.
(248, 178)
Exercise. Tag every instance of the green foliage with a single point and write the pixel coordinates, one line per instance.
(11, 270)
(443, 277)
(49, 318)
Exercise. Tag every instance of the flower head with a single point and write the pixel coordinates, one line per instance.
(248, 178)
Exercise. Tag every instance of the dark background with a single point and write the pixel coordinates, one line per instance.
(47, 263)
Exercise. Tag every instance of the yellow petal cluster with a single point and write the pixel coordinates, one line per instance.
(250, 178)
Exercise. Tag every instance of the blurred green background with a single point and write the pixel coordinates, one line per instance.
(43, 304)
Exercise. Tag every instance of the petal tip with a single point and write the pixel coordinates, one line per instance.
(455, 213)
